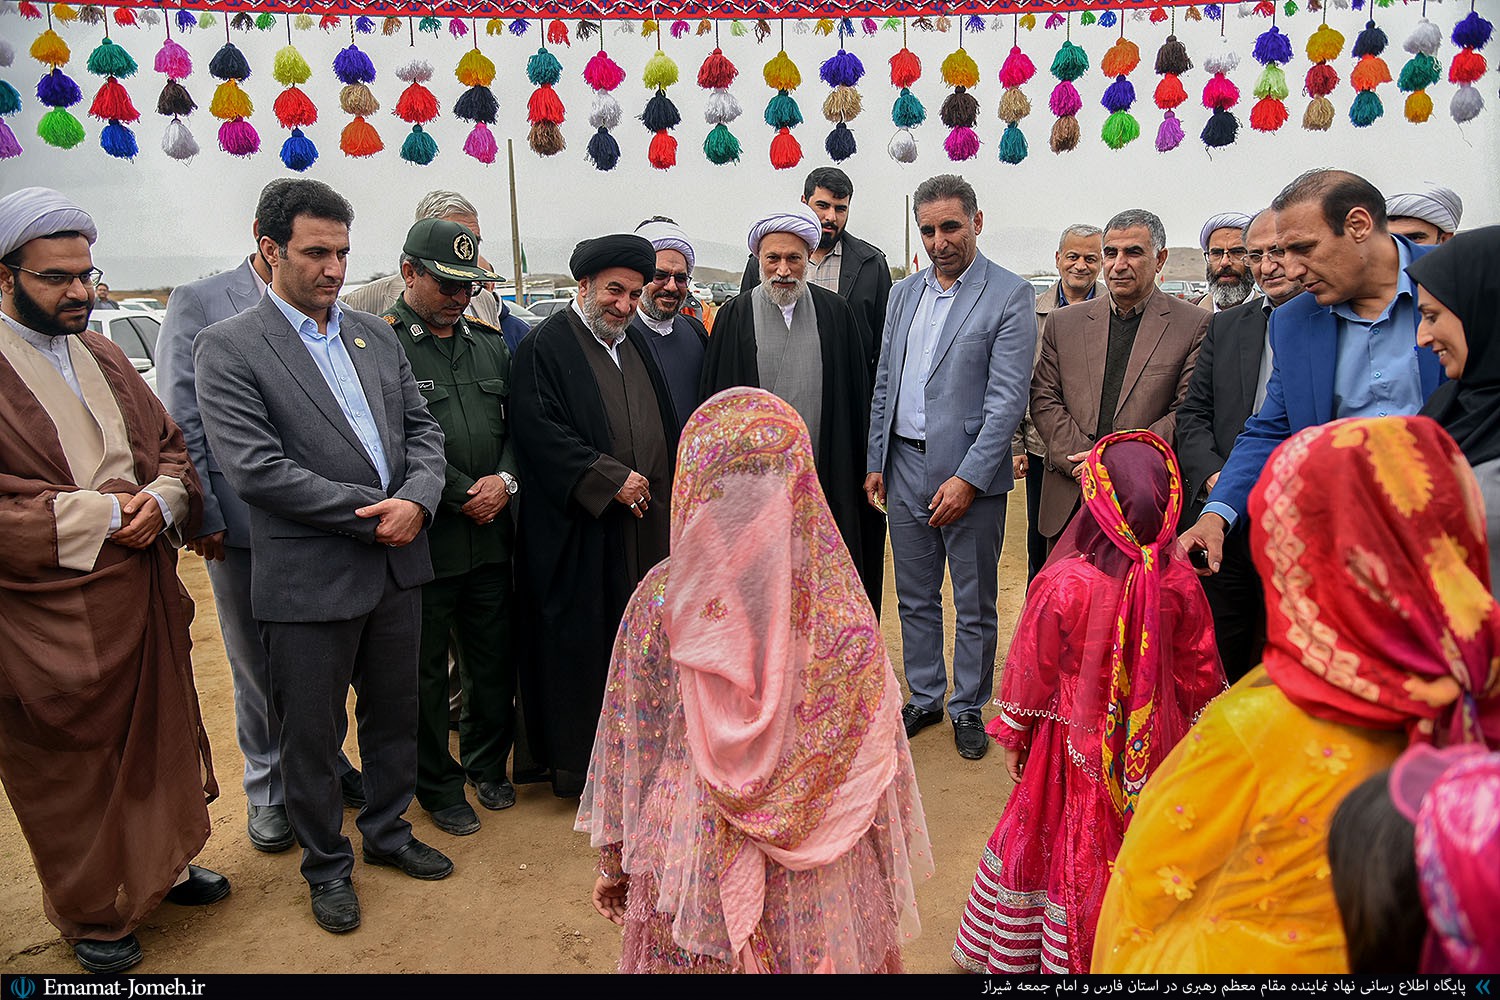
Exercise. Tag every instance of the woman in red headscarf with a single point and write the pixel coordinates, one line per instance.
(751, 791)
(1382, 632)
(1113, 659)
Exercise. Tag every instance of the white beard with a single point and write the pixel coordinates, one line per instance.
(783, 297)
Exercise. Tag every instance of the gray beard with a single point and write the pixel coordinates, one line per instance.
(784, 298)
(1229, 296)
(598, 323)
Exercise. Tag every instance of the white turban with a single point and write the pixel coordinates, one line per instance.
(1224, 220)
(34, 212)
(1437, 205)
(799, 222)
(667, 236)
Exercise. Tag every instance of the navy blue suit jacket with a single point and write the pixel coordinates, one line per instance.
(1304, 347)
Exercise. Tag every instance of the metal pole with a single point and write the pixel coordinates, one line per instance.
(515, 225)
(906, 264)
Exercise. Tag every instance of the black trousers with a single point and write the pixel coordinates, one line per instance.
(1239, 605)
(1036, 542)
(475, 609)
(313, 664)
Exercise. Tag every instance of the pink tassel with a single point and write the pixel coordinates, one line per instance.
(1055, 21)
(481, 144)
(1016, 69)
(1065, 100)
(1220, 92)
(1170, 135)
(602, 72)
(962, 144)
(238, 137)
(173, 61)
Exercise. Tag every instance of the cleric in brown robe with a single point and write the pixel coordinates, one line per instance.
(102, 748)
(596, 440)
(806, 345)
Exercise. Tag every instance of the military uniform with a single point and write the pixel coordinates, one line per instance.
(465, 379)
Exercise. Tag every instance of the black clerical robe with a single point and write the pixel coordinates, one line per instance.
(581, 424)
(839, 451)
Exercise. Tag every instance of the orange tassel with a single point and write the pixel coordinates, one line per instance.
(1370, 73)
(359, 138)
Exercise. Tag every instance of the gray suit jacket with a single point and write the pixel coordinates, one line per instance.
(977, 390)
(286, 447)
(192, 307)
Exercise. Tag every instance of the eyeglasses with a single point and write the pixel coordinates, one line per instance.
(468, 288)
(62, 279)
(1275, 253)
(1219, 253)
(662, 277)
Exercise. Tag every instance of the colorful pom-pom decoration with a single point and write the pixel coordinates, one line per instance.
(1323, 46)
(112, 103)
(1273, 49)
(1470, 35)
(842, 71)
(1421, 70)
(715, 75)
(293, 109)
(1219, 95)
(1070, 63)
(230, 104)
(1171, 62)
(544, 111)
(907, 113)
(603, 74)
(176, 64)
(782, 113)
(1121, 127)
(476, 71)
(1369, 72)
(417, 106)
(356, 72)
(661, 115)
(960, 109)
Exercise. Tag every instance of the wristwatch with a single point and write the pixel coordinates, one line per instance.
(511, 486)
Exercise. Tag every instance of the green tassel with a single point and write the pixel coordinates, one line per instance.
(265, 22)
(1071, 62)
(419, 147)
(1290, 8)
(892, 24)
(1421, 72)
(1120, 128)
(10, 100)
(1012, 144)
(207, 19)
(430, 24)
(738, 29)
(60, 129)
(1272, 83)
(1087, 17)
(109, 59)
(1366, 109)
(721, 146)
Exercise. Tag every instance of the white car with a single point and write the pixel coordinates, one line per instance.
(135, 333)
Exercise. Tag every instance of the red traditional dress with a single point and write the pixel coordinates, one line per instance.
(750, 775)
(1113, 658)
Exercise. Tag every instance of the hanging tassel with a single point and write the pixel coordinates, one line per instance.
(109, 59)
(1369, 73)
(1171, 61)
(364, 25)
(419, 147)
(359, 138)
(603, 74)
(1421, 71)
(869, 26)
(680, 28)
(298, 151)
(1070, 63)
(737, 29)
(30, 11)
(390, 26)
(481, 143)
(907, 113)
(265, 22)
(662, 153)
(720, 146)
(840, 143)
(178, 142)
(603, 150)
(557, 33)
(302, 22)
(544, 110)
(1272, 50)
(782, 113)
(458, 27)
(355, 70)
(902, 147)
(1323, 45)
(1121, 126)
(476, 71)
(786, 152)
(238, 138)
(1220, 94)
(1470, 34)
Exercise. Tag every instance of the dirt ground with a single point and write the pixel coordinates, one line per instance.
(518, 900)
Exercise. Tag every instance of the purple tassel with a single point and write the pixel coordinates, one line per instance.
(1119, 96)
(1273, 47)
(516, 27)
(976, 23)
(9, 147)
(186, 20)
(238, 137)
(1170, 135)
(353, 66)
(1359, 4)
(680, 28)
(962, 144)
(869, 26)
(1213, 12)
(842, 69)
(1055, 21)
(57, 90)
(364, 25)
(1473, 32)
(846, 27)
(1065, 100)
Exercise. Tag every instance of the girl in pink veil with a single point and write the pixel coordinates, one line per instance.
(1112, 660)
(751, 792)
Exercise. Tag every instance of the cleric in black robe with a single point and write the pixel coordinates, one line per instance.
(807, 346)
(596, 438)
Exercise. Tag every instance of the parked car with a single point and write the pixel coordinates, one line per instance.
(722, 292)
(546, 307)
(1181, 289)
(523, 313)
(135, 333)
(141, 304)
(1042, 282)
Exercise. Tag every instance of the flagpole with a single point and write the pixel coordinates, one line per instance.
(515, 225)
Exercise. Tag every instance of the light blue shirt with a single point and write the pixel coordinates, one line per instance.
(1375, 371)
(910, 418)
(332, 358)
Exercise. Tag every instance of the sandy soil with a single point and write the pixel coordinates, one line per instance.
(519, 898)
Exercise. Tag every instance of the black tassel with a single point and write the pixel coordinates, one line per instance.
(1371, 41)
(661, 114)
(1221, 130)
(229, 64)
(174, 100)
(840, 143)
(604, 151)
(477, 104)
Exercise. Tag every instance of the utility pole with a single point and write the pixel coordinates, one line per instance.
(906, 266)
(515, 225)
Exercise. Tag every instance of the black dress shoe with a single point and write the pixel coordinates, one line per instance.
(335, 906)
(415, 859)
(352, 785)
(917, 719)
(105, 958)
(494, 795)
(459, 820)
(201, 888)
(969, 736)
(269, 829)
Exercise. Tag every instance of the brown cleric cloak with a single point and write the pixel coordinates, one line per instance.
(102, 748)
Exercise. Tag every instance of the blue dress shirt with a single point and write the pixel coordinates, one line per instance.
(910, 418)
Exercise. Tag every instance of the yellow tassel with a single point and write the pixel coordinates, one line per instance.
(824, 26)
(1028, 21)
(303, 22)
(1418, 106)
(648, 27)
(230, 102)
(49, 48)
(960, 70)
(1324, 44)
(475, 69)
(64, 13)
(781, 73)
(494, 26)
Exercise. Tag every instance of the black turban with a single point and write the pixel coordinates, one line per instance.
(617, 250)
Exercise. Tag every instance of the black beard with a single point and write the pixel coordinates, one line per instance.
(650, 308)
(33, 316)
(826, 240)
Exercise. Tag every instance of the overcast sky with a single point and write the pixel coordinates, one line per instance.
(163, 222)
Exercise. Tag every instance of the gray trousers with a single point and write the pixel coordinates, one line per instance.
(255, 725)
(312, 666)
(970, 547)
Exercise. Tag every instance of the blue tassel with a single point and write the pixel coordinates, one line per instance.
(543, 69)
(846, 28)
(353, 66)
(419, 147)
(908, 111)
(1221, 130)
(842, 69)
(604, 151)
(1371, 41)
(186, 20)
(782, 111)
(1273, 47)
(117, 140)
(660, 114)
(1365, 109)
(57, 90)
(1213, 12)
(229, 63)
(364, 25)
(840, 143)
(10, 101)
(1119, 96)
(518, 26)
(1108, 19)
(298, 152)
(1473, 32)
(1012, 144)
(975, 23)
(477, 104)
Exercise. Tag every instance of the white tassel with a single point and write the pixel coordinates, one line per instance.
(416, 71)
(177, 142)
(903, 147)
(1467, 103)
(149, 16)
(1425, 38)
(1222, 61)
(7, 53)
(722, 107)
(606, 110)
